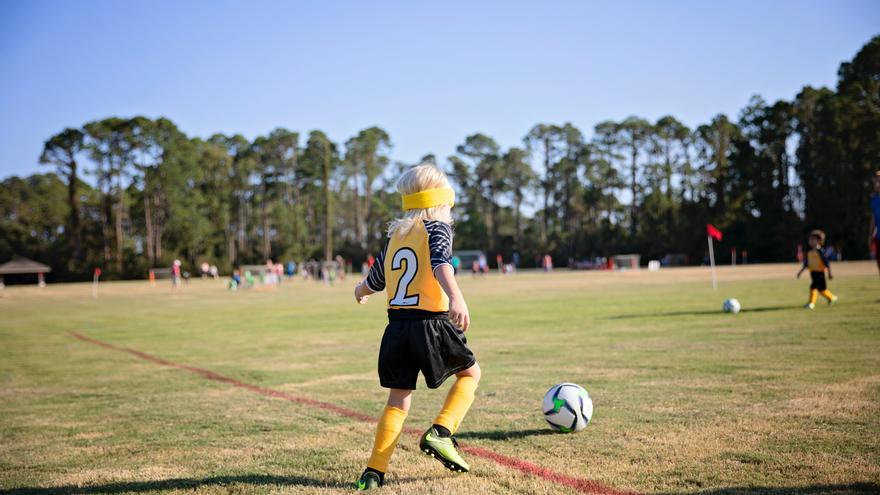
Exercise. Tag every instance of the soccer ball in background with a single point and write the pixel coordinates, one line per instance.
(568, 407)
(731, 306)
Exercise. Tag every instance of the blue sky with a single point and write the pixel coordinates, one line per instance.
(428, 74)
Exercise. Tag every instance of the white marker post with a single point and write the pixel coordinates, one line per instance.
(712, 233)
(95, 277)
(712, 262)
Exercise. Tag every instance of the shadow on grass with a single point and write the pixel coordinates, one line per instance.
(840, 489)
(177, 484)
(705, 312)
(504, 434)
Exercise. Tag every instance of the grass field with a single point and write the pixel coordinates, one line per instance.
(776, 399)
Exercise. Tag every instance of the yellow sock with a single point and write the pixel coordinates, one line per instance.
(814, 294)
(458, 401)
(387, 433)
(827, 294)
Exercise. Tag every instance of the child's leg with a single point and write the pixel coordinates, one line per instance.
(876, 245)
(389, 428)
(827, 295)
(458, 400)
(814, 294)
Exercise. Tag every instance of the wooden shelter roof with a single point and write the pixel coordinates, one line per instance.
(23, 265)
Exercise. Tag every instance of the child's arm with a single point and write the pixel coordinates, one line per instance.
(374, 281)
(801, 271)
(362, 293)
(827, 263)
(440, 246)
(458, 310)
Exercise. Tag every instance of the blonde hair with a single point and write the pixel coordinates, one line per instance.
(417, 179)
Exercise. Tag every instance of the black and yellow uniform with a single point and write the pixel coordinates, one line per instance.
(817, 262)
(419, 335)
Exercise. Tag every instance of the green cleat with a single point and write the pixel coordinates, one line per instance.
(810, 306)
(369, 480)
(444, 450)
(832, 300)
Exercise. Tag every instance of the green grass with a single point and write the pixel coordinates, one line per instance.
(776, 399)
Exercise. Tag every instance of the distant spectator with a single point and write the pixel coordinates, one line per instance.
(547, 263)
(831, 253)
(325, 273)
(268, 275)
(315, 270)
(340, 268)
(456, 264)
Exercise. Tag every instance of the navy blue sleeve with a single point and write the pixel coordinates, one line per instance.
(376, 278)
(439, 243)
(825, 258)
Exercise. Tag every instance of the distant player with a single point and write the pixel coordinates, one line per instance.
(427, 318)
(817, 262)
(874, 238)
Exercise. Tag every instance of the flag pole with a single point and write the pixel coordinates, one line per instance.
(95, 276)
(712, 261)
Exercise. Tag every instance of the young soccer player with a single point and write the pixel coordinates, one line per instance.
(874, 238)
(817, 263)
(427, 318)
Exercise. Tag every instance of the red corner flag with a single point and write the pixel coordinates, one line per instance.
(712, 232)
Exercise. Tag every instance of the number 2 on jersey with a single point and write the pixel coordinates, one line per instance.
(408, 256)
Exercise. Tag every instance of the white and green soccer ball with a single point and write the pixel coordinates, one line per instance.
(567, 407)
(731, 306)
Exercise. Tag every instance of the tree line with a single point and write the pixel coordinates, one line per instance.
(154, 194)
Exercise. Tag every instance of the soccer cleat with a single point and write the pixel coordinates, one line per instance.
(810, 306)
(369, 480)
(832, 300)
(444, 450)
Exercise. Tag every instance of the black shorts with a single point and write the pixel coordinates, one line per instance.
(818, 281)
(416, 341)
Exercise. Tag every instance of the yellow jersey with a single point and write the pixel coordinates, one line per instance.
(816, 260)
(405, 269)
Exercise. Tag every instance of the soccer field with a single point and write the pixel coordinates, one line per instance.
(209, 391)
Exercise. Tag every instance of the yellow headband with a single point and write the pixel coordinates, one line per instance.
(429, 198)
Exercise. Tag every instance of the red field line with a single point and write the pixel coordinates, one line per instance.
(578, 484)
